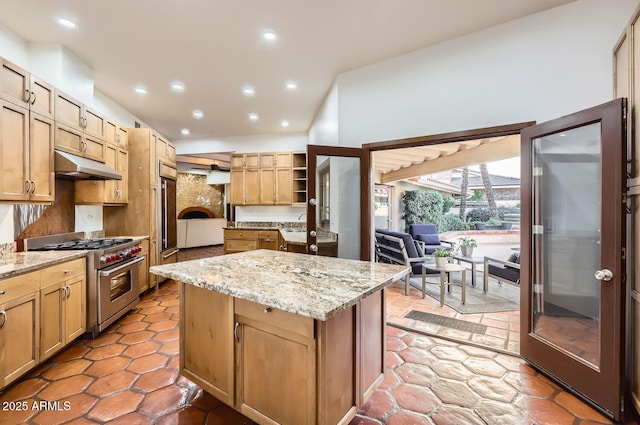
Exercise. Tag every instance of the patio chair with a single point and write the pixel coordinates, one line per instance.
(503, 270)
(428, 235)
(400, 248)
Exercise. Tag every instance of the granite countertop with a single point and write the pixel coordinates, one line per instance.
(311, 286)
(16, 263)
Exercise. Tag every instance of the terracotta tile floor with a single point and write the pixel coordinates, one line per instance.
(129, 375)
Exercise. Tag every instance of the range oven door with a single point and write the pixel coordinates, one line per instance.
(117, 291)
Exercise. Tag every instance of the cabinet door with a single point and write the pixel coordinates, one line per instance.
(69, 139)
(19, 344)
(14, 142)
(14, 84)
(111, 186)
(267, 160)
(207, 361)
(252, 186)
(94, 123)
(75, 308)
(165, 151)
(68, 111)
(252, 160)
(110, 130)
(52, 334)
(41, 171)
(94, 148)
(143, 272)
(275, 376)
(153, 260)
(122, 166)
(284, 188)
(283, 159)
(236, 196)
(122, 138)
(43, 97)
(267, 186)
(237, 161)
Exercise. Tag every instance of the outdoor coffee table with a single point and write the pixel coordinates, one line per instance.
(445, 279)
(473, 261)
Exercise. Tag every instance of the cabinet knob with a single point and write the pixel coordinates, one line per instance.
(2, 292)
(267, 310)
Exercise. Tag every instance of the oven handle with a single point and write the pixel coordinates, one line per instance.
(171, 253)
(124, 266)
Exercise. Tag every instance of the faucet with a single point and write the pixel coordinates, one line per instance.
(302, 215)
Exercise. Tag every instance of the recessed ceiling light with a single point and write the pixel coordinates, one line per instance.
(248, 91)
(253, 117)
(269, 35)
(185, 131)
(291, 85)
(67, 23)
(140, 90)
(197, 114)
(177, 86)
(284, 123)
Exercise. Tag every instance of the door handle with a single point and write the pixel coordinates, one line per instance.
(313, 248)
(604, 274)
(4, 317)
(235, 332)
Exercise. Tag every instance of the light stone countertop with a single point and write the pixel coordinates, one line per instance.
(17, 263)
(311, 286)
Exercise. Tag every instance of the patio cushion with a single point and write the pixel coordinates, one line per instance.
(429, 239)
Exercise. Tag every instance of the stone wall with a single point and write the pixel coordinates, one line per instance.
(192, 190)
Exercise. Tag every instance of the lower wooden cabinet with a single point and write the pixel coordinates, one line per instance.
(277, 367)
(40, 313)
(240, 240)
(143, 270)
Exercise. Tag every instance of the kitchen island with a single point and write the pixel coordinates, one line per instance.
(284, 338)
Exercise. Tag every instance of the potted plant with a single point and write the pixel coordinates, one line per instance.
(466, 245)
(493, 224)
(506, 225)
(442, 256)
(479, 225)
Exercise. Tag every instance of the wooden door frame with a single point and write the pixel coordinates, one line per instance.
(366, 189)
(610, 258)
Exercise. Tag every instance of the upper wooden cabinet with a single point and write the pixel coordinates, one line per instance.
(263, 178)
(20, 87)
(80, 130)
(107, 192)
(166, 151)
(26, 160)
(116, 134)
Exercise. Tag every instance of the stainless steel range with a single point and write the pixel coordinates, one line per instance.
(112, 274)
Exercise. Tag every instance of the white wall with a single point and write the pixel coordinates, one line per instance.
(271, 214)
(533, 69)
(324, 130)
(244, 144)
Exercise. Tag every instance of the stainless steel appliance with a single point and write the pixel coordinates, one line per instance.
(167, 216)
(112, 274)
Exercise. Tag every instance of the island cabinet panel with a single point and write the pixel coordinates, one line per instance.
(206, 341)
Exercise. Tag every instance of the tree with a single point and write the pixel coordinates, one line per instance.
(491, 198)
(464, 186)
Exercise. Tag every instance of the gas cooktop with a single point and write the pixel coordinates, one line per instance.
(83, 244)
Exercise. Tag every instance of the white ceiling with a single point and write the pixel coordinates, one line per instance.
(215, 48)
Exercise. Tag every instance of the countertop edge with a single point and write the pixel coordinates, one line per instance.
(60, 257)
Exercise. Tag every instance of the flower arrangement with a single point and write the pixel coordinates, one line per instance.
(468, 241)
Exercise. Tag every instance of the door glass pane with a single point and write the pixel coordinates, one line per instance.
(566, 241)
(338, 206)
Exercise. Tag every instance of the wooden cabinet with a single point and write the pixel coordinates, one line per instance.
(26, 162)
(208, 361)
(287, 341)
(63, 308)
(107, 192)
(299, 177)
(143, 270)
(278, 367)
(165, 151)
(20, 87)
(80, 130)
(262, 179)
(40, 313)
(240, 240)
(116, 134)
(19, 326)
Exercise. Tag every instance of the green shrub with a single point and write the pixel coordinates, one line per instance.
(450, 222)
(478, 214)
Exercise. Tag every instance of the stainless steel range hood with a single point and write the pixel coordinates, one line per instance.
(78, 168)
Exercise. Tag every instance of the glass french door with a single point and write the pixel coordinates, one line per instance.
(338, 205)
(572, 262)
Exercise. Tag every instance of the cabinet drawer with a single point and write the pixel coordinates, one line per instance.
(237, 233)
(269, 244)
(240, 245)
(18, 286)
(63, 271)
(272, 316)
(268, 234)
